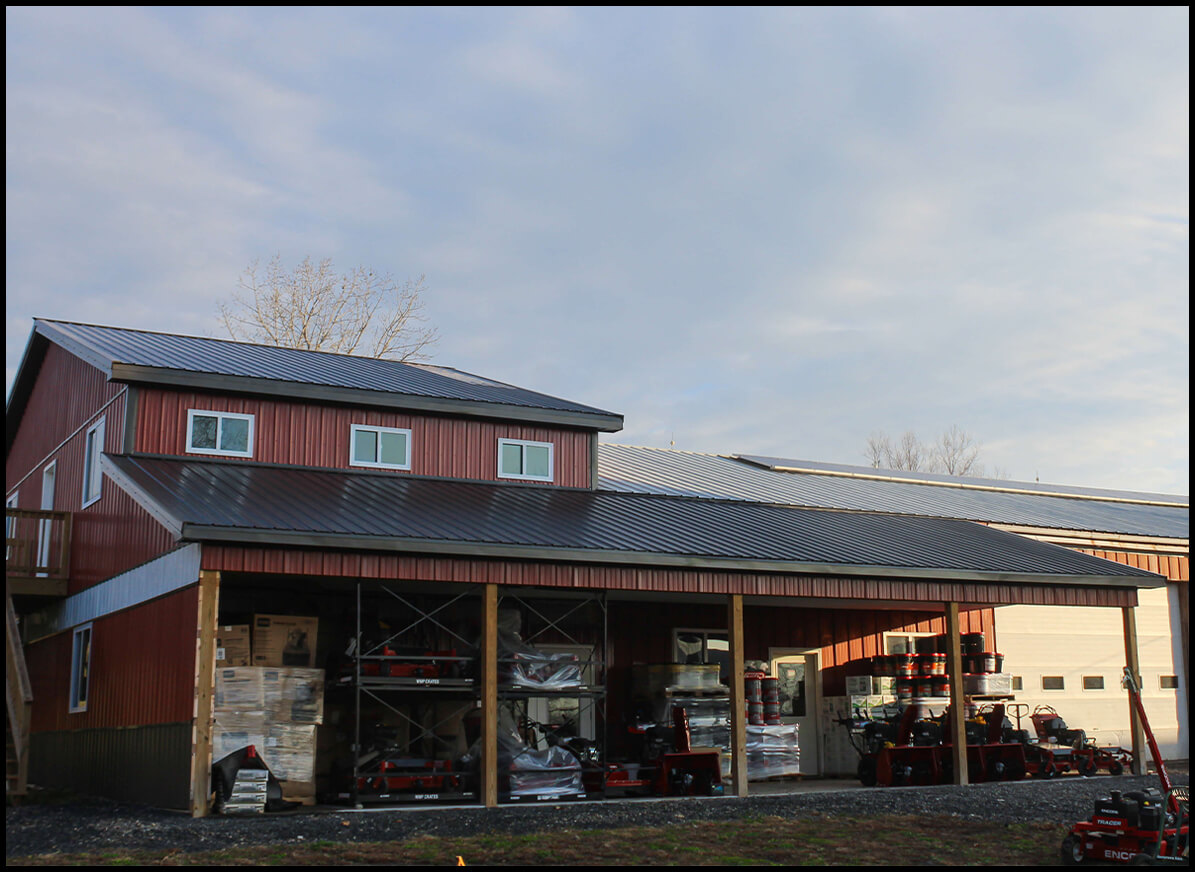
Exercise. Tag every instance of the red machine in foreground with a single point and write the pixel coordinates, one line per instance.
(1143, 827)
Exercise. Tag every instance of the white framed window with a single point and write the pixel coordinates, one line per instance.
(80, 668)
(92, 477)
(529, 461)
(1168, 682)
(1093, 682)
(382, 447)
(228, 434)
(904, 643)
(1053, 682)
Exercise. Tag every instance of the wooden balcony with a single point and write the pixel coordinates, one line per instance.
(37, 551)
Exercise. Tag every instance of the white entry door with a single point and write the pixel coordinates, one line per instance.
(800, 695)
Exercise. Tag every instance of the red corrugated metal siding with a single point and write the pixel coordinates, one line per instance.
(65, 397)
(1176, 567)
(112, 534)
(526, 573)
(142, 668)
(318, 435)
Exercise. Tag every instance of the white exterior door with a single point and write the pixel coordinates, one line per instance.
(800, 677)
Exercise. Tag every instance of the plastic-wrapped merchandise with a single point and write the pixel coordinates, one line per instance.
(653, 680)
(290, 753)
(700, 709)
(772, 751)
(525, 665)
(275, 710)
(709, 735)
(289, 694)
(288, 749)
(555, 771)
(232, 731)
(294, 694)
(238, 689)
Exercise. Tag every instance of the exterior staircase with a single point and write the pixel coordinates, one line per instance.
(20, 705)
(37, 571)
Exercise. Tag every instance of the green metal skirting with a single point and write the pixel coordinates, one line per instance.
(150, 765)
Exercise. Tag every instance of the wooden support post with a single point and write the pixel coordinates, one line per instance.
(738, 699)
(489, 697)
(1131, 661)
(958, 706)
(205, 686)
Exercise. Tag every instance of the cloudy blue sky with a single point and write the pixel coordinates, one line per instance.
(752, 231)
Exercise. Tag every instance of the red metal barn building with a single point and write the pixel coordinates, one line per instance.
(162, 487)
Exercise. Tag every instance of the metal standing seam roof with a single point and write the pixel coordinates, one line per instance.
(273, 505)
(139, 355)
(630, 469)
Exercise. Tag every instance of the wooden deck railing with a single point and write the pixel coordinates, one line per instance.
(37, 544)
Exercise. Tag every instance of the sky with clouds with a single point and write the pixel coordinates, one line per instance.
(749, 231)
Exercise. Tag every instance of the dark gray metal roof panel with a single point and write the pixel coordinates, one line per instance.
(225, 501)
(109, 347)
(631, 469)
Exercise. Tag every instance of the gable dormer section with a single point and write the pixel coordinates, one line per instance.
(216, 426)
(212, 399)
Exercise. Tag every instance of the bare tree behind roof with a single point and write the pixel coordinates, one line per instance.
(956, 452)
(313, 307)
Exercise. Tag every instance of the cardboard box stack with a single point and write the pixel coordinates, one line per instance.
(274, 707)
(284, 640)
(232, 645)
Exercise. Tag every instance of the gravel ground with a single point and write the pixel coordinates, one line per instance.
(97, 825)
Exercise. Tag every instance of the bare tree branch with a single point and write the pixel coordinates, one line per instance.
(313, 307)
(956, 452)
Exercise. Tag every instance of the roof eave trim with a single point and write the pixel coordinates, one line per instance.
(141, 496)
(456, 548)
(83, 351)
(155, 375)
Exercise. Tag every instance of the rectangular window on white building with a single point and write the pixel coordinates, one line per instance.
(224, 433)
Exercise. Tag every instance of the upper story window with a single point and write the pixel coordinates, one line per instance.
(92, 477)
(518, 458)
(384, 447)
(225, 433)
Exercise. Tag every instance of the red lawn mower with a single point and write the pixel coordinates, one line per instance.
(1141, 827)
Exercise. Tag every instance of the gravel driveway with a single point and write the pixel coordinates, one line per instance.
(97, 825)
